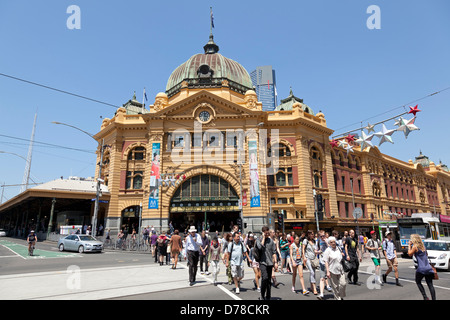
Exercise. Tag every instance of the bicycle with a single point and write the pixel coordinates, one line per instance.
(108, 244)
(133, 245)
(31, 249)
(143, 246)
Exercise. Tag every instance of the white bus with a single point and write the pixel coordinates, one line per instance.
(428, 225)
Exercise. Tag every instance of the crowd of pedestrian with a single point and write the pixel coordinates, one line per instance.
(332, 261)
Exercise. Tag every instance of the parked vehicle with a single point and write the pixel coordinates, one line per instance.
(438, 253)
(2, 233)
(81, 243)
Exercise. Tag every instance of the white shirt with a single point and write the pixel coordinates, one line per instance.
(333, 257)
(193, 244)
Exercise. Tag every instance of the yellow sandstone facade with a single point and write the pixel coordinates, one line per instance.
(205, 144)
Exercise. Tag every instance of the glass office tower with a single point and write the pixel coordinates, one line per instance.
(263, 79)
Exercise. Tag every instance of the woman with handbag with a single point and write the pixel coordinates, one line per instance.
(424, 269)
(333, 257)
(310, 258)
(297, 264)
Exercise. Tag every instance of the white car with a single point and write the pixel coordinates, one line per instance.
(2, 233)
(438, 253)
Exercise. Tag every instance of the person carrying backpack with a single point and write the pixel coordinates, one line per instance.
(162, 248)
(374, 246)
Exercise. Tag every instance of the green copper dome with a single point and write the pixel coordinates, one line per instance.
(209, 70)
(286, 104)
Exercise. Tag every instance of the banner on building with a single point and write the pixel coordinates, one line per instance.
(155, 177)
(255, 198)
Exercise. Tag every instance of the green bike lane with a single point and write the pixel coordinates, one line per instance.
(22, 251)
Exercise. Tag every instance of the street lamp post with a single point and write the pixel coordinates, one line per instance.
(140, 220)
(316, 213)
(50, 222)
(241, 216)
(98, 192)
(99, 180)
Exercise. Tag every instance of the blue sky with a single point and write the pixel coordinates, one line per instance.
(323, 49)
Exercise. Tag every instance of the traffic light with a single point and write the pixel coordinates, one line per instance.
(280, 218)
(319, 203)
(239, 223)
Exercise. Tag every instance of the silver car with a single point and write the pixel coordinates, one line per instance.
(81, 243)
(2, 233)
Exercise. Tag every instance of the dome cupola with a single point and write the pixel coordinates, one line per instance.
(209, 70)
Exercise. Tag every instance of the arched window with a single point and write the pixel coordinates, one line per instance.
(137, 153)
(105, 168)
(134, 180)
(284, 177)
(279, 149)
(317, 179)
(316, 166)
(315, 153)
(358, 163)
(341, 160)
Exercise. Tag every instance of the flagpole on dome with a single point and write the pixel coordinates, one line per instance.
(211, 47)
(212, 20)
(144, 98)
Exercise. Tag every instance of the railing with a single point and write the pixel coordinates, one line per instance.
(127, 245)
(207, 83)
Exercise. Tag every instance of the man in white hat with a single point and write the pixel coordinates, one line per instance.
(193, 244)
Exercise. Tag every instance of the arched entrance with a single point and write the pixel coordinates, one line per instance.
(205, 201)
(130, 219)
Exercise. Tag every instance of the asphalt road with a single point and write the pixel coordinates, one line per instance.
(366, 291)
(134, 276)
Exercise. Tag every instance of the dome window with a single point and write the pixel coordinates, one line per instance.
(204, 71)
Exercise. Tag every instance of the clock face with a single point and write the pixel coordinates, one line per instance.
(204, 116)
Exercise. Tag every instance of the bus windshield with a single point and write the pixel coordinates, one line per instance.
(422, 230)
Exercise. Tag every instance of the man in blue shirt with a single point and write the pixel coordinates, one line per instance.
(235, 258)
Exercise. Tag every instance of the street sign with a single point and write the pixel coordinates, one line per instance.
(357, 213)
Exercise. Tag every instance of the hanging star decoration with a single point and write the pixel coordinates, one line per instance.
(399, 122)
(334, 143)
(342, 144)
(385, 135)
(414, 110)
(350, 138)
(407, 126)
(364, 140)
(349, 148)
(370, 128)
